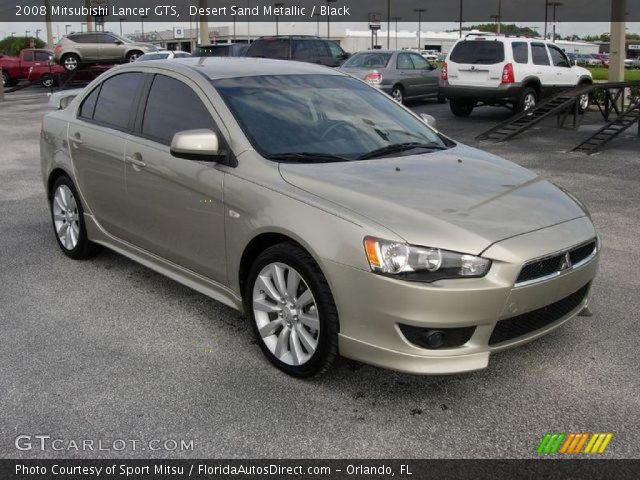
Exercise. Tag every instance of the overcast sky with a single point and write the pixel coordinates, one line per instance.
(563, 28)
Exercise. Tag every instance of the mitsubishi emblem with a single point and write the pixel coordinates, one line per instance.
(566, 262)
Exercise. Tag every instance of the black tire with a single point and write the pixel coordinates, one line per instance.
(525, 98)
(397, 93)
(297, 258)
(47, 80)
(442, 99)
(84, 248)
(462, 108)
(132, 56)
(583, 107)
(6, 79)
(70, 62)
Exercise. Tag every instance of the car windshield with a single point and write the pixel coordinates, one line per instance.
(308, 117)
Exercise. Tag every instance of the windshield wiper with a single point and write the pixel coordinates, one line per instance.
(310, 157)
(400, 147)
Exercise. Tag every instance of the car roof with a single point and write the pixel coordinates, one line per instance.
(228, 67)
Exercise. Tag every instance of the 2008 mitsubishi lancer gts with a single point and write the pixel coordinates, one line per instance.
(339, 221)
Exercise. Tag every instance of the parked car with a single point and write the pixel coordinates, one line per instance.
(163, 55)
(402, 74)
(632, 62)
(431, 55)
(301, 48)
(31, 64)
(338, 220)
(221, 50)
(76, 49)
(512, 71)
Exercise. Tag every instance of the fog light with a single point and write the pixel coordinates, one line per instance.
(434, 338)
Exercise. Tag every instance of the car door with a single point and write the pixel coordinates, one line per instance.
(175, 206)
(97, 138)
(410, 78)
(564, 76)
(88, 46)
(428, 78)
(109, 48)
(542, 67)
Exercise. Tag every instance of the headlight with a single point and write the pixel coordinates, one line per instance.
(422, 264)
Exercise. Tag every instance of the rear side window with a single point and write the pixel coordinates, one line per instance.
(277, 48)
(304, 50)
(539, 54)
(89, 104)
(478, 52)
(82, 38)
(520, 52)
(117, 99)
(368, 60)
(172, 107)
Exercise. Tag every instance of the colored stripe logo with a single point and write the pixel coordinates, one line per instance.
(572, 443)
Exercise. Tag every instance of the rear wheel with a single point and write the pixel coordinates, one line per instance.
(397, 93)
(462, 108)
(70, 62)
(133, 56)
(292, 311)
(528, 100)
(47, 80)
(67, 217)
(6, 79)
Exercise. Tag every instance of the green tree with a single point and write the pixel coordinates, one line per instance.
(505, 28)
(13, 45)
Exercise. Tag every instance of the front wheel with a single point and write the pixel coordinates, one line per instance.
(528, 100)
(71, 62)
(6, 80)
(397, 93)
(292, 311)
(584, 101)
(133, 56)
(67, 216)
(47, 80)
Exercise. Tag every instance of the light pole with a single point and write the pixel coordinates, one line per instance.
(329, 2)
(419, 10)
(499, 16)
(234, 28)
(396, 20)
(38, 34)
(554, 5)
(496, 18)
(82, 26)
(66, 29)
(142, 17)
(388, 24)
(317, 15)
(277, 5)
(120, 20)
(460, 25)
(26, 33)
(546, 17)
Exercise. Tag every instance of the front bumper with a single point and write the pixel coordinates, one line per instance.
(372, 307)
(506, 92)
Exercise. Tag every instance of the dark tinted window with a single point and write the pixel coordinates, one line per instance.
(173, 107)
(115, 104)
(336, 50)
(520, 52)
(83, 38)
(42, 56)
(270, 48)
(104, 38)
(419, 62)
(89, 104)
(27, 56)
(480, 52)
(539, 54)
(368, 60)
(304, 50)
(558, 57)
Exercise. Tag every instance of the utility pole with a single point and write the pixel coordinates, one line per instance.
(554, 5)
(121, 20)
(499, 16)
(419, 10)
(204, 24)
(277, 5)
(460, 24)
(47, 22)
(396, 20)
(388, 24)
(546, 17)
(329, 2)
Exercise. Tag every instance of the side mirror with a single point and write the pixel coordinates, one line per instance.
(119, 42)
(196, 145)
(428, 119)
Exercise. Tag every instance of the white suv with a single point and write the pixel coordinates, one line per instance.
(513, 71)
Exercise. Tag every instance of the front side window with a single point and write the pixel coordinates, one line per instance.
(304, 50)
(336, 51)
(172, 107)
(404, 62)
(520, 52)
(42, 56)
(539, 54)
(558, 57)
(419, 62)
(306, 115)
(28, 56)
(277, 48)
(116, 102)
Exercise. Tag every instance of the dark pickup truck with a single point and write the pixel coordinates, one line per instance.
(32, 64)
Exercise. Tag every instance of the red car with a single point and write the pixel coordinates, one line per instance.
(32, 64)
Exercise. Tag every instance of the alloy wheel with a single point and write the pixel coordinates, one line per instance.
(47, 82)
(584, 101)
(65, 217)
(529, 101)
(71, 63)
(133, 57)
(286, 314)
(397, 95)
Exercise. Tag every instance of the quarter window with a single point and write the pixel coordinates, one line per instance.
(89, 104)
(172, 107)
(116, 102)
(539, 54)
(520, 52)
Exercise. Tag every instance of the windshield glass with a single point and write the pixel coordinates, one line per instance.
(330, 115)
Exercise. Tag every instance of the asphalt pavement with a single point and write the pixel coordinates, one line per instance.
(106, 349)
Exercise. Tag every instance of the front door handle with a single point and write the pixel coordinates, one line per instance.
(135, 160)
(76, 140)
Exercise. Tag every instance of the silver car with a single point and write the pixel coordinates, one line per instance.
(336, 219)
(403, 74)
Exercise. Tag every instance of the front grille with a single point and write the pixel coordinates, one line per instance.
(529, 322)
(550, 265)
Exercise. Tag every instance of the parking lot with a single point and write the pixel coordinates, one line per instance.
(107, 349)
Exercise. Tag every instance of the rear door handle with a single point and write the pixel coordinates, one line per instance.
(76, 140)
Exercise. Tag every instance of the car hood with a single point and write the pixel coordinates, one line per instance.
(461, 199)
